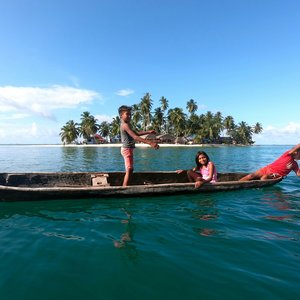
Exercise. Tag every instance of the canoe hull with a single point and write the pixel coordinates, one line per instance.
(81, 185)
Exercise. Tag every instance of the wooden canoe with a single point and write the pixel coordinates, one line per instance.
(80, 185)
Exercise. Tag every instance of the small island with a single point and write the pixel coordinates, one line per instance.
(172, 126)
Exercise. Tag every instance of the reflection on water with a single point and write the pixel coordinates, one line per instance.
(43, 158)
(282, 202)
(82, 159)
(91, 159)
(126, 241)
(207, 213)
(127, 235)
(69, 155)
(63, 236)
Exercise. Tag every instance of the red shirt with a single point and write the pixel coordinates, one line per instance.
(283, 165)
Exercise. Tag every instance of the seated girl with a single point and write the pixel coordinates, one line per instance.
(205, 170)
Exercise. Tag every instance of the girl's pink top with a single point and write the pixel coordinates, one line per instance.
(205, 172)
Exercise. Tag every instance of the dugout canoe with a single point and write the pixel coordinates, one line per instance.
(81, 185)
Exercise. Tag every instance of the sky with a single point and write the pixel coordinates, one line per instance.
(60, 58)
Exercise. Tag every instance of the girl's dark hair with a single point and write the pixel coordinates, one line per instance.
(197, 156)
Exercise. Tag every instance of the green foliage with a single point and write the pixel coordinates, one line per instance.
(88, 125)
(204, 128)
(70, 132)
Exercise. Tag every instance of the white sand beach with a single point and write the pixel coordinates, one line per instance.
(141, 145)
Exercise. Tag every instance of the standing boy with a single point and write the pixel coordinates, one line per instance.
(128, 138)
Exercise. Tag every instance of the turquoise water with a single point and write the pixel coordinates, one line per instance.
(230, 245)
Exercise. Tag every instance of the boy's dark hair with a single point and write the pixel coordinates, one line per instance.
(124, 108)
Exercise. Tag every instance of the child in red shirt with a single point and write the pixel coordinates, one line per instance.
(279, 168)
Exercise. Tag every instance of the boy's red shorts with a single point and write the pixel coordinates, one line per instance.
(127, 153)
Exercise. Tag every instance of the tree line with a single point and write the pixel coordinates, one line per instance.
(203, 128)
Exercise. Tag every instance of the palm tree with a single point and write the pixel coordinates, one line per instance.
(69, 132)
(145, 106)
(257, 128)
(104, 129)
(164, 105)
(217, 125)
(243, 133)
(177, 119)
(208, 125)
(193, 125)
(135, 115)
(115, 127)
(229, 123)
(191, 106)
(88, 125)
(158, 119)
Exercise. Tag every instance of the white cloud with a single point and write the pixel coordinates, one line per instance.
(42, 101)
(14, 116)
(202, 106)
(75, 80)
(125, 92)
(28, 134)
(102, 118)
(293, 127)
(287, 135)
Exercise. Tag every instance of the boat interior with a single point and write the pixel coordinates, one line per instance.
(99, 179)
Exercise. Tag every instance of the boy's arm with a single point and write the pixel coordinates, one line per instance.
(135, 136)
(146, 132)
(294, 149)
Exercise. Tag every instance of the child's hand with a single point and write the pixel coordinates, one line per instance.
(179, 171)
(155, 146)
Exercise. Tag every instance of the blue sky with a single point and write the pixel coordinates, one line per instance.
(59, 58)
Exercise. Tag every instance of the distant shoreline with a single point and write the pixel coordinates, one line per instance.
(160, 145)
(137, 145)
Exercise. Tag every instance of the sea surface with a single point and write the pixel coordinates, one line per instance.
(227, 245)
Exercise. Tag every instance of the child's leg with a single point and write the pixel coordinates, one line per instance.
(193, 176)
(248, 177)
(270, 176)
(127, 177)
(256, 175)
(128, 159)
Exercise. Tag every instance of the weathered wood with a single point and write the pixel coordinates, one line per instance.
(78, 185)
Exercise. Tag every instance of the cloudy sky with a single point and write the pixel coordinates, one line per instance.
(59, 58)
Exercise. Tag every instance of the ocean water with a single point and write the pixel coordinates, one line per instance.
(228, 245)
